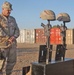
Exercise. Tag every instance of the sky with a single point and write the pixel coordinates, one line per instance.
(27, 12)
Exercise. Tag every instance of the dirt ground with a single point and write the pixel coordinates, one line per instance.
(29, 53)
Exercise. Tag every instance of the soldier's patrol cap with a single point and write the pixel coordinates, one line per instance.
(7, 5)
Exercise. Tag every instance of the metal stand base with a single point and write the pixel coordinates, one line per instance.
(65, 67)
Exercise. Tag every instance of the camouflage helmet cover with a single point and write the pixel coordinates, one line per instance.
(47, 15)
(63, 17)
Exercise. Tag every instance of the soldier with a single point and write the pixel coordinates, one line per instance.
(9, 28)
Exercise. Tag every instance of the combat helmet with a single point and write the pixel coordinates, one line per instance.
(47, 15)
(63, 17)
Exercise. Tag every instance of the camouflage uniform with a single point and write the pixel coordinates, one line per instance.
(11, 28)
